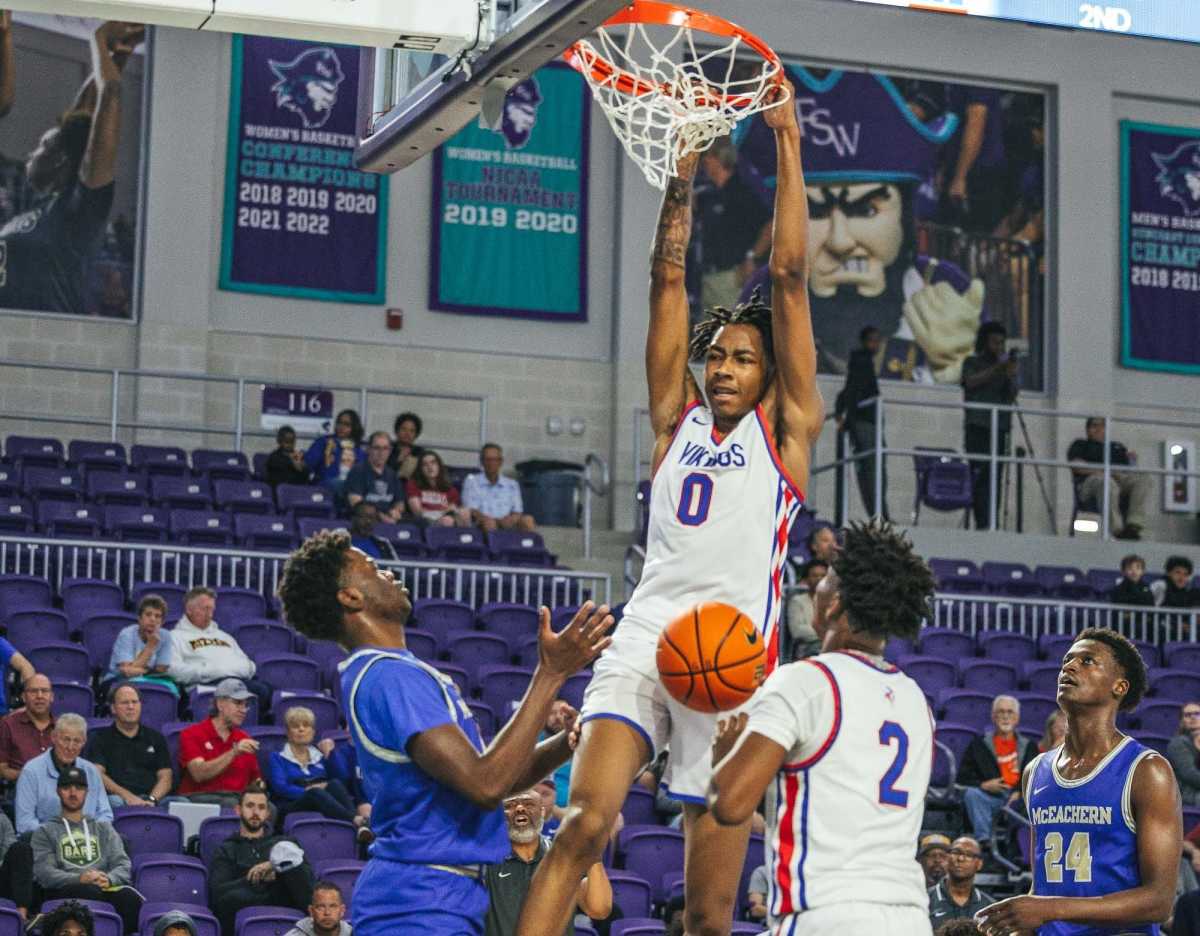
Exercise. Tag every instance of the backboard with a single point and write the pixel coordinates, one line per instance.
(412, 100)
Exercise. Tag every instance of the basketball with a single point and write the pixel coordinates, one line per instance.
(711, 658)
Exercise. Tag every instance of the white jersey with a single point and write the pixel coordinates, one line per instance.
(720, 513)
(845, 812)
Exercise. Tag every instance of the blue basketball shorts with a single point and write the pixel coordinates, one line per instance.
(397, 898)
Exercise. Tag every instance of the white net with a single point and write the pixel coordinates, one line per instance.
(665, 98)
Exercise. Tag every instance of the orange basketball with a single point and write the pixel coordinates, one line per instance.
(711, 658)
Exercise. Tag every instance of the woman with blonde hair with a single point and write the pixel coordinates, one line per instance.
(297, 774)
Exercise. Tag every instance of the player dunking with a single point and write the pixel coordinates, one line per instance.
(728, 480)
(1107, 830)
(841, 743)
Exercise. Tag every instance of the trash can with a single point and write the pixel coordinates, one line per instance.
(550, 490)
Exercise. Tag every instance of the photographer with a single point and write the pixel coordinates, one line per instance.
(988, 376)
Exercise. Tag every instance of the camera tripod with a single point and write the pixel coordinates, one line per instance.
(1037, 473)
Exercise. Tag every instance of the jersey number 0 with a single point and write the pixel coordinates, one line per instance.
(695, 497)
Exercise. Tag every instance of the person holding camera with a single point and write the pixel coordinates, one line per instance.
(989, 376)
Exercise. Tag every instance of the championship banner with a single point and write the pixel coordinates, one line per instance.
(300, 220)
(1160, 247)
(510, 207)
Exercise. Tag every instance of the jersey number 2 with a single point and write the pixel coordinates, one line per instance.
(889, 731)
(695, 496)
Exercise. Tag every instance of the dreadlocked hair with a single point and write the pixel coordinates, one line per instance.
(1128, 658)
(885, 587)
(753, 312)
(311, 578)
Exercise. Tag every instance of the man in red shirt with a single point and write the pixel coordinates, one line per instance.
(991, 767)
(25, 733)
(218, 758)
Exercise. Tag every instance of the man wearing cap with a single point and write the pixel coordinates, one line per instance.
(219, 760)
(37, 798)
(932, 855)
(75, 858)
(252, 868)
(175, 923)
(955, 897)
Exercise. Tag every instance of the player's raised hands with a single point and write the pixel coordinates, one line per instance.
(1017, 916)
(728, 731)
(577, 644)
(780, 113)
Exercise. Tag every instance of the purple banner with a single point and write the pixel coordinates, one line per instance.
(1160, 247)
(300, 219)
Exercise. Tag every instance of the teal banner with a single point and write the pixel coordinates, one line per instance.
(510, 207)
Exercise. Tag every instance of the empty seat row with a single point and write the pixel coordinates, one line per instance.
(39, 452)
(1014, 579)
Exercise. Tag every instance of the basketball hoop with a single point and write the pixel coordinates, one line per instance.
(662, 109)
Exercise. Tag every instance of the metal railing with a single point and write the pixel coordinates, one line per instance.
(129, 564)
(592, 486)
(235, 428)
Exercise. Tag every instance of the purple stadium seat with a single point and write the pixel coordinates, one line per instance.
(1153, 740)
(500, 686)
(116, 487)
(960, 576)
(99, 631)
(956, 737)
(1010, 578)
(485, 718)
(213, 831)
(270, 738)
(69, 520)
(240, 604)
(342, 873)
(651, 851)
(219, 464)
(1008, 647)
(304, 500)
(136, 524)
(1103, 581)
(520, 549)
(84, 597)
(244, 496)
(441, 616)
(73, 697)
(326, 839)
(181, 493)
(206, 923)
(307, 526)
(513, 622)
(574, 688)
(1064, 582)
(171, 593)
(460, 544)
(11, 923)
(10, 480)
(1054, 646)
(945, 642)
(61, 661)
(172, 877)
(475, 648)
(159, 459)
(1036, 707)
(990, 676)
(323, 651)
(146, 830)
(745, 928)
(1183, 655)
(897, 647)
(292, 818)
(1151, 655)
(29, 629)
(326, 712)
(16, 515)
(965, 707)
(638, 926)
(159, 705)
(632, 893)
(201, 527)
(93, 455)
(422, 643)
(258, 465)
(405, 538)
(1159, 716)
(461, 677)
(34, 450)
(265, 921)
(638, 808)
(43, 484)
(932, 674)
(265, 531)
(23, 592)
(105, 921)
(1177, 685)
(1042, 678)
(943, 482)
(672, 884)
(288, 669)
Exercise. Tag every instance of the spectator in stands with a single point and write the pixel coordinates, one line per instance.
(16, 868)
(1132, 589)
(1175, 591)
(802, 639)
(406, 454)
(37, 788)
(25, 733)
(286, 464)
(547, 789)
(959, 928)
(857, 420)
(822, 543)
(325, 913)
(363, 518)
(373, 482)
(175, 923)
(297, 775)
(252, 868)
(330, 457)
(75, 859)
(756, 895)
(562, 717)
(1054, 732)
(493, 500)
(933, 856)
(991, 767)
(1131, 490)
(431, 496)
(219, 760)
(142, 652)
(341, 764)
(989, 376)
(1183, 752)
(508, 881)
(133, 759)
(71, 918)
(205, 655)
(11, 657)
(956, 897)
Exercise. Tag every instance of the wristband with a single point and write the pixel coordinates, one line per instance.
(152, 798)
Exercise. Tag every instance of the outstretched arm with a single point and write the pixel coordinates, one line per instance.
(111, 44)
(667, 376)
(796, 395)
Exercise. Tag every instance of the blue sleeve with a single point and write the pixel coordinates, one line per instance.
(25, 807)
(356, 481)
(279, 778)
(470, 493)
(518, 505)
(122, 651)
(313, 457)
(396, 701)
(96, 783)
(166, 652)
(6, 651)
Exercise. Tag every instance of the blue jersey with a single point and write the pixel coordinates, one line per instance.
(1085, 838)
(389, 696)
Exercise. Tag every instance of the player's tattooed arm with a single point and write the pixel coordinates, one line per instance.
(675, 217)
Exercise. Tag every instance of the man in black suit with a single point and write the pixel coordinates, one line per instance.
(858, 421)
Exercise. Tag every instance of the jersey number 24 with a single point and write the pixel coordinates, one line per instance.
(1078, 858)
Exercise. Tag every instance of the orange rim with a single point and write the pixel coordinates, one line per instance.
(657, 13)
